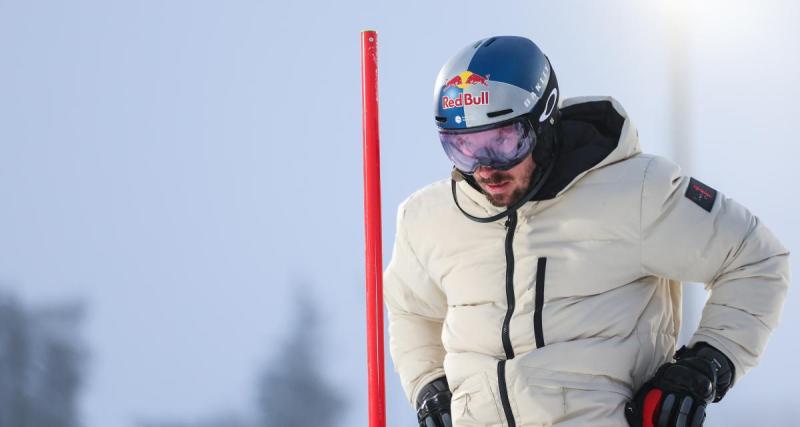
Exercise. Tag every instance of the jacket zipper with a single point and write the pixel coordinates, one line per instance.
(511, 225)
(501, 383)
(539, 302)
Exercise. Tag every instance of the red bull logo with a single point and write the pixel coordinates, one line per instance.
(464, 80)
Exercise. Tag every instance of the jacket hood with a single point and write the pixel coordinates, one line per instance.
(594, 132)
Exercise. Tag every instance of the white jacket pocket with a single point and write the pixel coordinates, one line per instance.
(565, 399)
(474, 403)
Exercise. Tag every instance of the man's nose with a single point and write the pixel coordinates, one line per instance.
(485, 171)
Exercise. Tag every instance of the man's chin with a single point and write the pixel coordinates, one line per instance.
(504, 199)
(500, 202)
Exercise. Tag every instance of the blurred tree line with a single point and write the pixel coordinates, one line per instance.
(42, 363)
(291, 390)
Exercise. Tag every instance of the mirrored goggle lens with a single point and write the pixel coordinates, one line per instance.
(499, 148)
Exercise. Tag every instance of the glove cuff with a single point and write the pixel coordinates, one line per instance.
(432, 389)
(433, 404)
(723, 366)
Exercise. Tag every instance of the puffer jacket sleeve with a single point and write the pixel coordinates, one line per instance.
(741, 262)
(416, 308)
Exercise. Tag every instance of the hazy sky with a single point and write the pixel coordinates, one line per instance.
(185, 166)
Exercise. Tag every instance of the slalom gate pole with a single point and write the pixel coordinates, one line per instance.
(372, 224)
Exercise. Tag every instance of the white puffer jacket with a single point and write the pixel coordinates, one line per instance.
(556, 315)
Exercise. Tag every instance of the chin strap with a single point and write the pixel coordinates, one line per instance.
(542, 178)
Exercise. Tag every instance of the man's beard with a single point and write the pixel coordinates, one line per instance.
(504, 201)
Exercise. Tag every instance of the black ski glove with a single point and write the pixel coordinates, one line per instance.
(678, 393)
(433, 404)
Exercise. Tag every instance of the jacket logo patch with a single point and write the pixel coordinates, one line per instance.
(701, 194)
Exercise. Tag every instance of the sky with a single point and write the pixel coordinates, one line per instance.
(187, 166)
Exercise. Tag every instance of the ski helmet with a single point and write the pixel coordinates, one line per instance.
(495, 101)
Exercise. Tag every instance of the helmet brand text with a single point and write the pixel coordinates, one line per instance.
(465, 99)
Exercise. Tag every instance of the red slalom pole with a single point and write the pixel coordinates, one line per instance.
(372, 224)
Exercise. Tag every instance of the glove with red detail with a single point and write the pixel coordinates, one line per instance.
(678, 393)
(433, 404)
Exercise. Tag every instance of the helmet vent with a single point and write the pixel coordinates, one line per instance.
(499, 113)
(490, 41)
(441, 119)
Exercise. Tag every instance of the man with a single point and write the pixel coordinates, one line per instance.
(541, 285)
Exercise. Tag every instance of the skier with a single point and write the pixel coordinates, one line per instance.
(540, 285)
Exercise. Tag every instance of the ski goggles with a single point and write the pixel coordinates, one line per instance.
(499, 148)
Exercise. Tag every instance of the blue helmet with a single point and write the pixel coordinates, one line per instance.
(496, 103)
(494, 81)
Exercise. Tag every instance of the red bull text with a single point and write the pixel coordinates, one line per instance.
(465, 99)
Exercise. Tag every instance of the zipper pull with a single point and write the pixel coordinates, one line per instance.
(511, 219)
